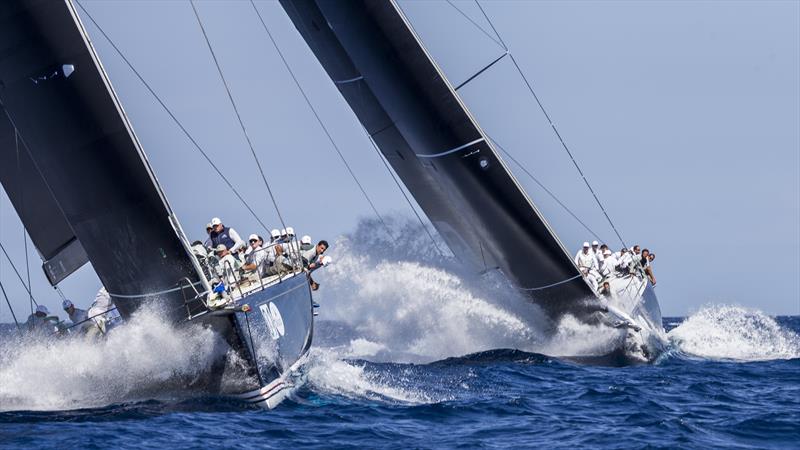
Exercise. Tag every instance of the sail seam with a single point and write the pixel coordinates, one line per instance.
(453, 150)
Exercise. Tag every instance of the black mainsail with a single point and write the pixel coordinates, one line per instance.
(81, 150)
(436, 147)
(51, 234)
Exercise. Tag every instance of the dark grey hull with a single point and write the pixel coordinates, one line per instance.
(271, 330)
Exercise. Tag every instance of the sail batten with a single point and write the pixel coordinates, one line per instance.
(435, 146)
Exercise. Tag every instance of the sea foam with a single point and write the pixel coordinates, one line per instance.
(734, 333)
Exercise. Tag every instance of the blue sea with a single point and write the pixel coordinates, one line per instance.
(731, 379)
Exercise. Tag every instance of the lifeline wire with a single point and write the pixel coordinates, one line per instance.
(552, 125)
(319, 119)
(238, 116)
(172, 116)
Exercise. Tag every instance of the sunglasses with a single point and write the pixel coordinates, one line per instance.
(253, 240)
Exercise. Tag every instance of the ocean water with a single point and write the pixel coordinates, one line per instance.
(408, 354)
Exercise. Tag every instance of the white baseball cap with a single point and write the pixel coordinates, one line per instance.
(586, 244)
(208, 225)
(42, 309)
(607, 253)
(216, 221)
(275, 233)
(290, 231)
(305, 239)
(595, 243)
(220, 248)
(283, 231)
(253, 236)
(66, 304)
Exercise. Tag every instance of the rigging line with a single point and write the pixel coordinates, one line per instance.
(402, 191)
(319, 119)
(173, 117)
(548, 191)
(555, 130)
(8, 302)
(27, 266)
(476, 24)
(238, 116)
(24, 212)
(13, 266)
(489, 21)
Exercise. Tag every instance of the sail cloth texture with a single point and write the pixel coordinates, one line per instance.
(62, 103)
(433, 144)
(51, 234)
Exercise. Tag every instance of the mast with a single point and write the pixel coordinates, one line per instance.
(78, 138)
(436, 147)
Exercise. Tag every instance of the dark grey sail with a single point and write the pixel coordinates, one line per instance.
(79, 140)
(61, 252)
(436, 147)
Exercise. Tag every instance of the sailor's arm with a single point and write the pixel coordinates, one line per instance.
(238, 242)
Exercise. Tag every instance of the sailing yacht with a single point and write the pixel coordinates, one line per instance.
(81, 183)
(425, 131)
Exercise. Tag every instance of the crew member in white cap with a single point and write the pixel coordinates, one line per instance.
(587, 264)
(608, 267)
(76, 315)
(222, 235)
(256, 257)
(595, 249)
(275, 234)
(40, 321)
(305, 243)
(228, 266)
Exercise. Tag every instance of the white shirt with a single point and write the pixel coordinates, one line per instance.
(229, 268)
(586, 261)
(257, 256)
(239, 243)
(609, 265)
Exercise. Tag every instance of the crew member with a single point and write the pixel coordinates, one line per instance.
(256, 256)
(79, 317)
(228, 266)
(587, 264)
(40, 321)
(226, 236)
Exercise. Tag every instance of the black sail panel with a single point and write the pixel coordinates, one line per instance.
(47, 227)
(434, 145)
(60, 100)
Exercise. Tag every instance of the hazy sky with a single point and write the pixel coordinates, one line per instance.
(684, 116)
